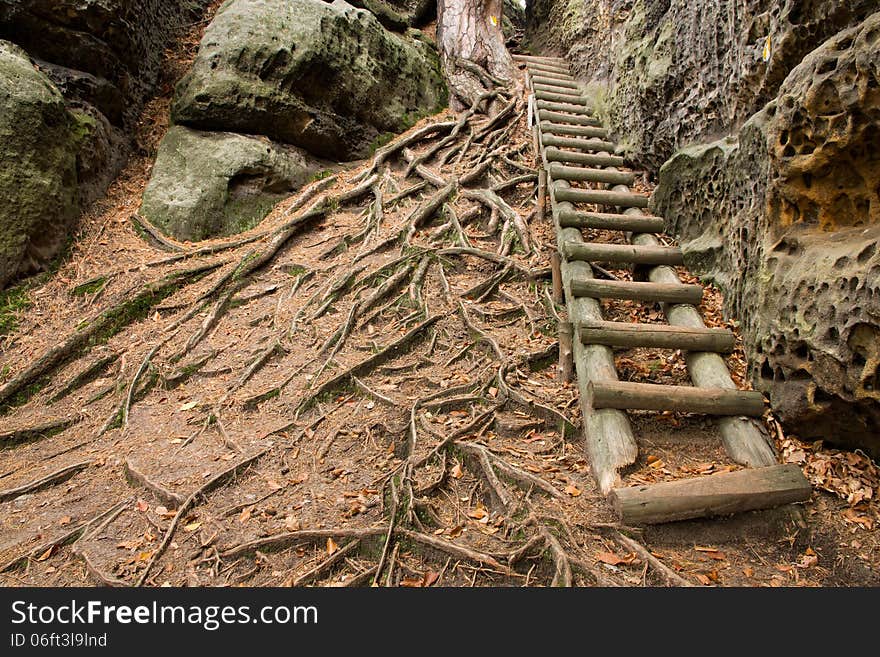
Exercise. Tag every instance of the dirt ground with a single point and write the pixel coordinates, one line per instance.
(360, 391)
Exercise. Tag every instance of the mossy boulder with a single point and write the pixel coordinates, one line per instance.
(212, 184)
(38, 149)
(326, 77)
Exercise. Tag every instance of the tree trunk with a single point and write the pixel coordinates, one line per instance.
(472, 48)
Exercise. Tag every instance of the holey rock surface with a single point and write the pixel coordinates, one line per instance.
(38, 195)
(677, 72)
(212, 184)
(787, 219)
(326, 77)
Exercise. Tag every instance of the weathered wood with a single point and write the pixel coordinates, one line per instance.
(638, 291)
(546, 68)
(561, 98)
(562, 172)
(539, 59)
(625, 253)
(660, 336)
(542, 194)
(626, 395)
(556, 82)
(567, 94)
(556, 277)
(566, 360)
(612, 221)
(744, 439)
(563, 107)
(603, 197)
(718, 494)
(575, 130)
(555, 75)
(571, 119)
(583, 144)
(588, 159)
(609, 440)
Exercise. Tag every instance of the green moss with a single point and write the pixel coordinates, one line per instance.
(13, 302)
(90, 287)
(385, 137)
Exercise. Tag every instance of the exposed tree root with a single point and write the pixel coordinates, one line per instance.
(169, 498)
(57, 477)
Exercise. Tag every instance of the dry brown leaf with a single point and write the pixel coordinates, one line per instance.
(610, 558)
(245, 515)
(142, 506)
(572, 490)
(456, 472)
(431, 578)
(412, 583)
(705, 581)
(46, 554)
(292, 524)
(191, 527)
(748, 571)
(331, 547)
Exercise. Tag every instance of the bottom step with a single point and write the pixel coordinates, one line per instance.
(625, 395)
(712, 495)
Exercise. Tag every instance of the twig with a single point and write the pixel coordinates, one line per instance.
(669, 576)
(323, 567)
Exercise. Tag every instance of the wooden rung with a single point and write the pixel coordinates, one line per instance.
(551, 74)
(625, 395)
(563, 107)
(602, 197)
(713, 495)
(638, 291)
(660, 336)
(575, 130)
(572, 119)
(548, 68)
(624, 253)
(561, 172)
(556, 82)
(554, 154)
(572, 95)
(539, 59)
(611, 221)
(583, 144)
(561, 98)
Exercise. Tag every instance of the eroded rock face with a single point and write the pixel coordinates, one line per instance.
(787, 219)
(38, 147)
(678, 72)
(212, 184)
(326, 77)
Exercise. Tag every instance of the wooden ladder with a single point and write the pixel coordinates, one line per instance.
(574, 148)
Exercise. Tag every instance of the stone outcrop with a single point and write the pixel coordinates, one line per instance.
(326, 77)
(786, 218)
(678, 72)
(38, 148)
(212, 184)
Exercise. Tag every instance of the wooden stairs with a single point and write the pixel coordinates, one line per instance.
(580, 166)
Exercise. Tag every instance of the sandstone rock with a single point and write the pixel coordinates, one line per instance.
(678, 72)
(787, 219)
(326, 77)
(214, 184)
(38, 196)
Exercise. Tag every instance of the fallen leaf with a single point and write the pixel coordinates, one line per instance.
(808, 561)
(431, 577)
(189, 406)
(274, 485)
(456, 531)
(748, 571)
(245, 515)
(142, 506)
(331, 546)
(478, 513)
(412, 583)
(572, 490)
(46, 554)
(191, 527)
(292, 524)
(610, 558)
(457, 472)
(705, 581)
(64, 521)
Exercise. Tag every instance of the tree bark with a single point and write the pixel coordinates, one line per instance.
(472, 48)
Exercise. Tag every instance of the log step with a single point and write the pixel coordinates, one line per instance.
(555, 82)
(575, 130)
(563, 107)
(589, 159)
(582, 144)
(539, 59)
(561, 172)
(553, 75)
(571, 95)
(624, 253)
(602, 197)
(637, 291)
(625, 395)
(571, 119)
(561, 98)
(544, 67)
(659, 336)
(611, 221)
(713, 495)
